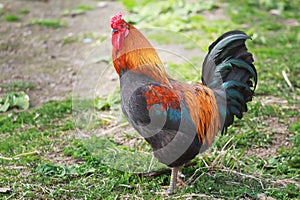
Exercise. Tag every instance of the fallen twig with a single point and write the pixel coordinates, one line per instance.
(287, 80)
(5, 190)
(16, 157)
(191, 196)
(111, 130)
(244, 175)
(14, 167)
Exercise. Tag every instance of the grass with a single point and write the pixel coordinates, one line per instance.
(50, 23)
(18, 86)
(81, 9)
(40, 156)
(24, 11)
(12, 18)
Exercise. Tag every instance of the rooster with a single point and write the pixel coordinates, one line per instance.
(180, 120)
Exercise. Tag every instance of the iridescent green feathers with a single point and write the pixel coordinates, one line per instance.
(229, 71)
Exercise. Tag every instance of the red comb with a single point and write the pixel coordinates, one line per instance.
(116, 20)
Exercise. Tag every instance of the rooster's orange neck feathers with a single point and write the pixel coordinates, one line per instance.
(133, 52)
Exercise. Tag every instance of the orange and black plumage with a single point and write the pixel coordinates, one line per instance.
(178, 119)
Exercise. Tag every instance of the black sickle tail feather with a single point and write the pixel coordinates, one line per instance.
(229, 71)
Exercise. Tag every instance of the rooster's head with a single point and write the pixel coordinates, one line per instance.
(119, 30)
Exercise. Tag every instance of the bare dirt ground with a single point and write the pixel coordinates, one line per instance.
(36, 54)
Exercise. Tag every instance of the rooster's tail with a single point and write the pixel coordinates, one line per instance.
(229, 71)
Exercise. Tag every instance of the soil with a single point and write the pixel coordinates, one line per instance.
(35, 54)
(279, 140)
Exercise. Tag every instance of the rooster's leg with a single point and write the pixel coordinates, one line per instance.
(173, 180)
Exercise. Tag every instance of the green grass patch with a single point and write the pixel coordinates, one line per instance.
(39, 118)
(69, 39)
(18, 86)
(24, 11)
(12, 18)
(14, 100)
(274, 44)
(50, 23)
(184, 72)
(85, 7)
(81, 9)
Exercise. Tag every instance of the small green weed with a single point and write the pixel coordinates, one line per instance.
(69, 39)
(24, 11)
(19, 100)
(81, 9)
(85, 7)
(18, 86)
(12, 18)
(63, 170)
(111, 102)
(50, 23)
